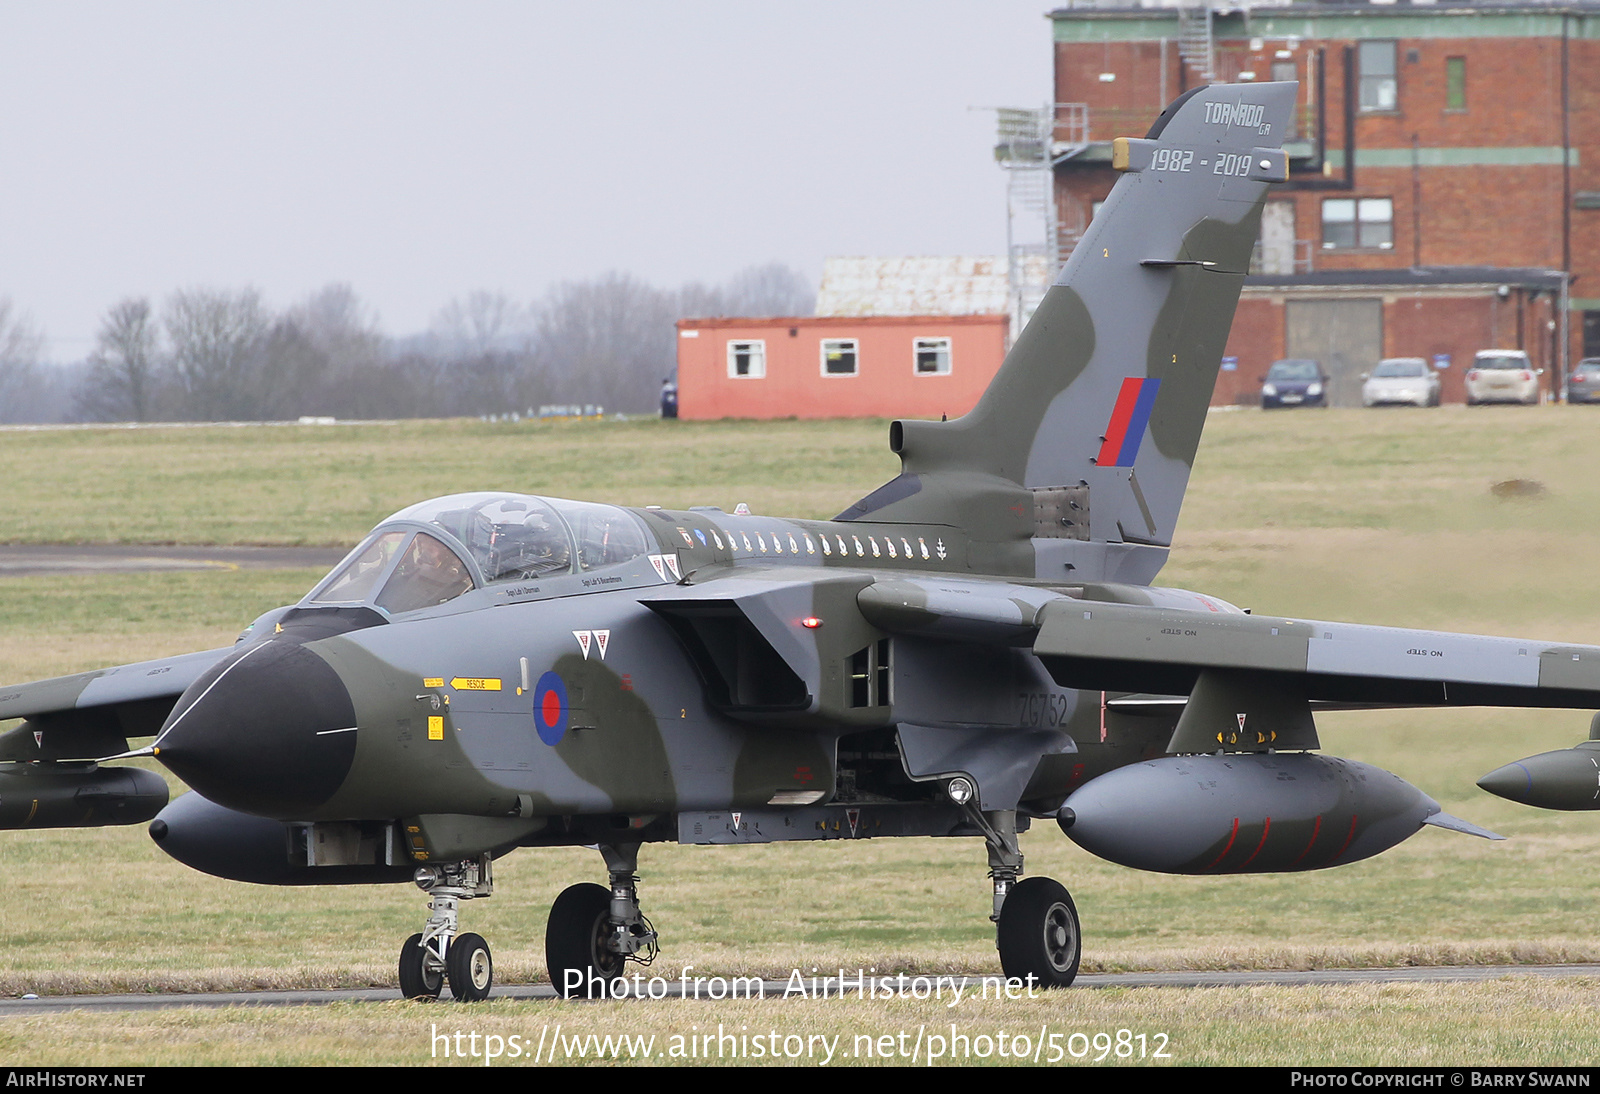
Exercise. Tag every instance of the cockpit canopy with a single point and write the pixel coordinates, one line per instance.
(436, 550)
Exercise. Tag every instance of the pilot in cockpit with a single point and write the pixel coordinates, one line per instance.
(429, 573)
(535, 547)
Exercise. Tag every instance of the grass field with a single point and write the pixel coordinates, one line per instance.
(1383, 517)
(329, 484)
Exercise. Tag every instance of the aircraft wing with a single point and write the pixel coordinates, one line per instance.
(1162, 647)
(89, 715)
(1134, 648)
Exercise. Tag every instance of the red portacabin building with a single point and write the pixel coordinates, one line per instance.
(837, 366)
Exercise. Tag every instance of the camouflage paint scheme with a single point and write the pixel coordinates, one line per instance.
(983, 621)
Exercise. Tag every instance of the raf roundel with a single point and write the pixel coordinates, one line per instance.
(550, 708)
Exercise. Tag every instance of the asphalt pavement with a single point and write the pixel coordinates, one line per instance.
(31, 560)
(777, 989)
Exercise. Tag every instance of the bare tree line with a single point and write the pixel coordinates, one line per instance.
(219, 355)
(20, 347)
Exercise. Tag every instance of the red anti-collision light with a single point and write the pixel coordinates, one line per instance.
(811, 622)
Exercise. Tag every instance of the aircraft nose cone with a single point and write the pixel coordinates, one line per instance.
(269, 730)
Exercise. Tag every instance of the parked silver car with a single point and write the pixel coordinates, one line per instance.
(1583, 386)
(1401, 380)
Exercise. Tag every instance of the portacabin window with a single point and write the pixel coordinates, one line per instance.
(1357, 223)
(931, 356)
(747, 360)
(1379, 89)
(840, 357)
(1455, 83)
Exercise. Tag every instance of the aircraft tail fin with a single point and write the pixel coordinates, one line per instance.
(1074, 463)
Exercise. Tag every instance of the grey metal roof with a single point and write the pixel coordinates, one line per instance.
(1415, 277)
(1227, 7)
(918, 285)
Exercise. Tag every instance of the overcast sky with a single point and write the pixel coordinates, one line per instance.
(419, 151)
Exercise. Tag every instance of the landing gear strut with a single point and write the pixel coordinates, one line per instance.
(437, 955)
(593, 932)
(1036, 923)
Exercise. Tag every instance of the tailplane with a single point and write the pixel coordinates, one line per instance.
(1074, 463)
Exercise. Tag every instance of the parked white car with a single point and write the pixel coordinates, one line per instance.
(1402, 380)
(1502, 376)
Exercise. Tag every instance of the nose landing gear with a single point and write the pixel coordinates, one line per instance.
(438, 955)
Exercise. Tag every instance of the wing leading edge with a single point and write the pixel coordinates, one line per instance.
(92, 714)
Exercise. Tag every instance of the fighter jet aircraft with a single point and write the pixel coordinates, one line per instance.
(971, 647)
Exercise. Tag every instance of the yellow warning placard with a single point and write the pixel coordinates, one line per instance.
(435, 728)
(433, 681)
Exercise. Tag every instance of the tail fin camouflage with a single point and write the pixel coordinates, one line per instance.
(1073, 464)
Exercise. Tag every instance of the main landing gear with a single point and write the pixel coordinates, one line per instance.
(439, 955)
(1036, 923)
(593, 932)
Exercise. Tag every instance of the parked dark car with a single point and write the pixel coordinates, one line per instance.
(1294, 382)
(1583, 386)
